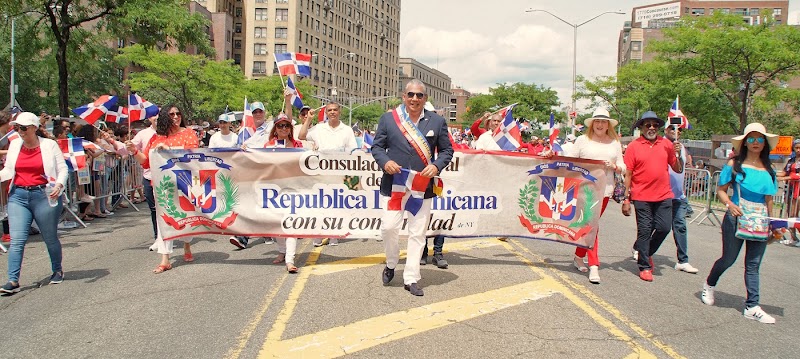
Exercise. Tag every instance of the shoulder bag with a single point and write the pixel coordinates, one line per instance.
(753, 224)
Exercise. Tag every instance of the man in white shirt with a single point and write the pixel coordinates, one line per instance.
(224, 138)
(486, 141)
(140, 141)
(261, 136)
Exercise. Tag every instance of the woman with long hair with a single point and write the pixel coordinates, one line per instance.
(599, 143)
(792, 177)
(281, 136)
(38, 174)
(752, 178)
(171, 133)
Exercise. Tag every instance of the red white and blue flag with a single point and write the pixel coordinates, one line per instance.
(248, 124)
(508, 135)
(72, 148)
(89, 145)
(367, 145)
(94, 111)
(139, 109)
(297, 97)
(554, 146)
(404, 182)
(675, 111)
(117, 114)
(10, 136)
(293, 63)
(776, 223)
(558, 198)
(322, 116)
(197, 192)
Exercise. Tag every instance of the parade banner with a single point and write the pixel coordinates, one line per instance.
(295, 193)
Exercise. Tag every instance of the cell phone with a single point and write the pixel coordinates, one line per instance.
(675, 121)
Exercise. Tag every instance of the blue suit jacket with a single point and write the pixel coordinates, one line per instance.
(390, 144)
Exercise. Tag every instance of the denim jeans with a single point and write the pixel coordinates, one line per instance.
(151, 202)
(438, 244)
(653, 223)
(25, 206)
(679, 232)
(731, 246)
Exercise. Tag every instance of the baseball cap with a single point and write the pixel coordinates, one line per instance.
(223, 118)
(257, 106)
(26, 119)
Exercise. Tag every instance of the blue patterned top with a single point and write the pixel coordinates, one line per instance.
(756, 185)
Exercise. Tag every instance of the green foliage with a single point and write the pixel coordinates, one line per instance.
(229, 196)
(527, 201)
(534, 102)
(164, 194)
(367, 116)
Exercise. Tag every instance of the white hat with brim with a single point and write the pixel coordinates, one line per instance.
(600, 113)
(26, 119)
(772, 139)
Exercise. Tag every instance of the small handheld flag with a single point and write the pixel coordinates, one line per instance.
(508, 135)
(293, 63)
(297, 97)
(93, 111)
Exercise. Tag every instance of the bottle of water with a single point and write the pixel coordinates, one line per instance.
(48, 190)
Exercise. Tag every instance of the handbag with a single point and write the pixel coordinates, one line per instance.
(753, 224)
(619, 188)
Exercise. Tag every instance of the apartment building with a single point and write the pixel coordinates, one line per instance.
(458, 103)
(354, 43)
(648, 21)
(437, 82)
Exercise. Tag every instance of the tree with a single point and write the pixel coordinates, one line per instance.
(70, 23)
(747, 66)
(534, 102)
(366, 116)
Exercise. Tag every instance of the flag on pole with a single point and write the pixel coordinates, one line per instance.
(89, 145)
(139, 109)
(675, 111)
(784, 223)
(11, 135)
(508, 135)
(321, 115)
(554, 146)
(117, 114)
(297, 97)
(93, 111)
(405, 181)
(293, 63)
(367, 146)
(248, 124)
(72, 148)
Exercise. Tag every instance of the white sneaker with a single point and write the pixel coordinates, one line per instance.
(635, 255)
(269, 240)
(686, 267)
(708, 294)
(594, 275)
(756, 313)
(317, 242)
(333, 242)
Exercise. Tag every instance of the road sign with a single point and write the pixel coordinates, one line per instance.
(573, 114)
(784, 146)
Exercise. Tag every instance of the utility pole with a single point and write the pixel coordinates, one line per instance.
(12, 86)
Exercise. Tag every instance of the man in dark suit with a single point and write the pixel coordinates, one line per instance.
(409, 137)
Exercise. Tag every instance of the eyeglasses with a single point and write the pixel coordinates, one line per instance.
(752, 140)
(173, 114)
(418, 94)
(650, 125)
(283, 125)
(19, 128)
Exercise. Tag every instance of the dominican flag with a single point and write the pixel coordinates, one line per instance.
(297, 97)
(405, 181)
(322, 116)
(293, 63)
(139, 109)
(558, 198)
(197, 192)
(117, 114)
(72, 148)
(554, 134)
(93, 111)
(10, 136)
(524, 125)
(784, 223)
(675, 111)
(248, 123)
(508, 135)
(367, 146)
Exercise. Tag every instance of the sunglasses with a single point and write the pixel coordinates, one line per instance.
(752, 140)
(21, 128)
(173, 114)
(283, 125)
(419, 95)
(650, 125)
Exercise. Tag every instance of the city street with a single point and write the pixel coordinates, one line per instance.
(497, 299)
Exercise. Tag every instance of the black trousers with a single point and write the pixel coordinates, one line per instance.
(653, 223)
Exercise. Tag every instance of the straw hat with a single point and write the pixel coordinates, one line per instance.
(772, 139)
(600, 113)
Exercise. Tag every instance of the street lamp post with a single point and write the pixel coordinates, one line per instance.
(574, 52)
(12, 86)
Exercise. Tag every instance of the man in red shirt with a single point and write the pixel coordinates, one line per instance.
(647, 185)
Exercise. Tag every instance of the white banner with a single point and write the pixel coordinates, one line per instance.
(311, 194)
(664, 11)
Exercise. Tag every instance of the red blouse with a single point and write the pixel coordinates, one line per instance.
(29, 168)
(185, 139)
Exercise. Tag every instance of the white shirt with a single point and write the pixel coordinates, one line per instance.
(141, 140)
(260, 137)
(218, 140)
(486, 142)
(327, 138)
(593, 150)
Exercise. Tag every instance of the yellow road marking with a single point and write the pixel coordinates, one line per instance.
(616, 313)
(247, 332)
(375, 259)
(350, 338)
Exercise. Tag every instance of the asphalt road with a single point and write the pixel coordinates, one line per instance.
(497, 299)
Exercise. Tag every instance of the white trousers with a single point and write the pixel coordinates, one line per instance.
(165, 247)
(288, 246)
(390, 231)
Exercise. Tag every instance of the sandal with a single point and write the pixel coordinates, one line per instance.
(86, 218)
(162, 268)
(188, 257)
(99, 216)
(279, 259)
(291, 268)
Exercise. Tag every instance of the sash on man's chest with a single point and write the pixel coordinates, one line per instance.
(412, 134)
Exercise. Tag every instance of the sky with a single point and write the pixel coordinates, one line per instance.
(481, 43)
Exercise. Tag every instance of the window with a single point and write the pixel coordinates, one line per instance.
(636, 46)
(237, 44)
(725, 11)
(776, 11)
(281, 32)
(228, 36)
(238, 12)
(238, 27)
(261, 14)
(259, 67)
(281, 14)
(740, 11)
(260, 49)
(282, 2)
(698, 11)
(280, 48)
(260, 32)
(261, 1)
(237, 59)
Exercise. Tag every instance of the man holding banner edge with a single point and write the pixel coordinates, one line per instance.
(413, 139)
